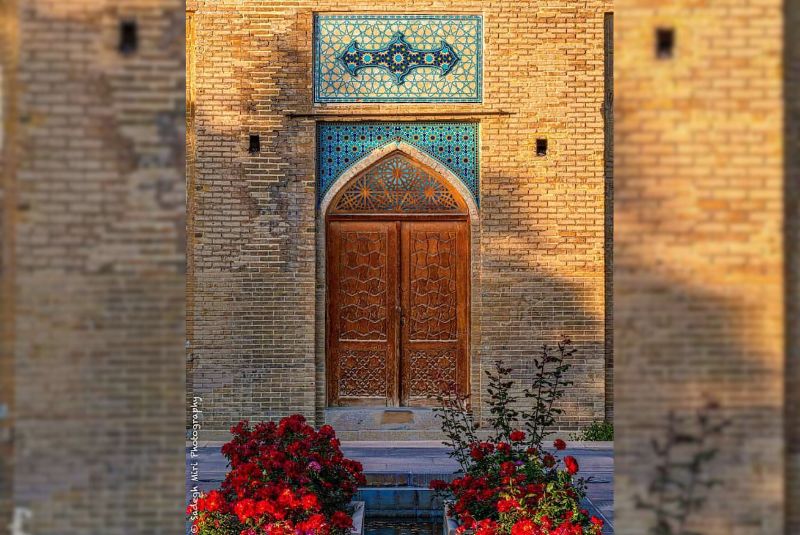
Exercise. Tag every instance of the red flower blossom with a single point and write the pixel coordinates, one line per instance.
(476, 453)
(341, 519)
(559, 444)
(245, 509)
(597, 521)
(571, 464)
(310, 502)
(313, 524)
(504, 506)
(548, 460)
(517, 436)
(438, 484)
(486, 527)
(507, 468)
(524, 527)
(503, 447)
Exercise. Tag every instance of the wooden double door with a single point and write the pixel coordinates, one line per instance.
(397, 310)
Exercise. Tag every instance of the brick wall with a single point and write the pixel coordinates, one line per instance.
(93, 251)
(8, 43)
(791, 93)
(698, 258)
(254, 278)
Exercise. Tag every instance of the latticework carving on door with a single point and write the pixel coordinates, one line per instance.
(362, 286)
(362, 373)
(433, 286)
(430, 370)
(398, 184)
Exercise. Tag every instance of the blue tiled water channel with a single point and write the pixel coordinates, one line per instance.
(377, 525)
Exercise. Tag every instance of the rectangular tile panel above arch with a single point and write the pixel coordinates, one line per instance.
(398, 58)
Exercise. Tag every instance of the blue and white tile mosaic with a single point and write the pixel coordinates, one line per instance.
(397, 58)
(341, 144)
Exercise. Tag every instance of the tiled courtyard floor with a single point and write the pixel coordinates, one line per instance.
(401, 464)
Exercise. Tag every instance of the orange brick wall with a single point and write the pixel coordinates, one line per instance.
(698, 251)
(538, 272)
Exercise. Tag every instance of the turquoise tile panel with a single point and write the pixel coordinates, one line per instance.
(397, 58)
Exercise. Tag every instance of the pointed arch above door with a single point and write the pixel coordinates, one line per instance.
(398, 184)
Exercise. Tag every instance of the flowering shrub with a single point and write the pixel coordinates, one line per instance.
(510, 484)
(285, 479)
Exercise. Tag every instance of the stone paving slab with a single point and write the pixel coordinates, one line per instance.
(414, 464)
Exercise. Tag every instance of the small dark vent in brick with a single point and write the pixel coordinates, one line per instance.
(255, 144)
(665, 42)
(128, 37)
(541, 147)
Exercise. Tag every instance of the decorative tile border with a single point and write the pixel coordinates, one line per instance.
(398, 58)
(341, 145)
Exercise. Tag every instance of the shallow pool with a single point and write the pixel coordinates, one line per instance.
(380, 525)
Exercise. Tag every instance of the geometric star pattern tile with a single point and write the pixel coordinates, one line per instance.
(341, 144)
(348, 68)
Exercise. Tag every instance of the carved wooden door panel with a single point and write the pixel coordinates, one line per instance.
(363, 313)
(435, 305)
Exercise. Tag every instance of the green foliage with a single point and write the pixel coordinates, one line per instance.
(457, 423)
(505, 418)
(546, 388)
(597, 431)
(681, 479)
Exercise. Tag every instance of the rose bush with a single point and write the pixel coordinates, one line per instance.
(509, 484)
(284, 479)
(513, 488)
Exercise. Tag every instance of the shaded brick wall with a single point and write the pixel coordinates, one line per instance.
(94, 252)
(792, 241)
(698, 251)
(8, 42)
(254, 283)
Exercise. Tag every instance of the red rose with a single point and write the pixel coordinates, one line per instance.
(597, 521)
(476, 454)
(287, 499)
(310, 502)
(559, 444)
(314, 522)
(245, 509)
(486, 527)
(571, 464)
(516, 436)
(503, 447)
(341, 520)
(524, 527)
(504, 506)
(507, 468)
(548, 460)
